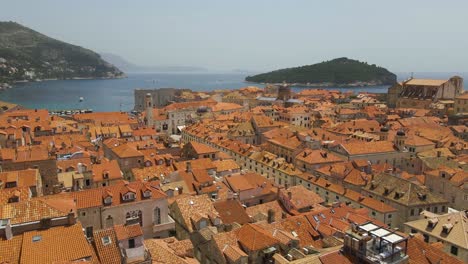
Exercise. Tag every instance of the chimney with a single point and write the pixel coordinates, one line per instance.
(71, 220)
(180, 189)
(189, 166)
(289, 195)
(8, 231)
(271, 216)
(439, 153)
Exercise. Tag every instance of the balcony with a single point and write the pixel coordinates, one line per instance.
(169, 225)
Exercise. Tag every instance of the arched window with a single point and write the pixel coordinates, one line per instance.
(157, 216)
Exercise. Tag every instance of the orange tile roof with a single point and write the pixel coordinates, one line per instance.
(29, 211)
(124, 232)
(314, 157)
(358, 148)
(126, 151)
(225, 107)
(162, 253)
(334, 257)
(106, 167)
(301, 197)
(10, 250)
(254, 238)
(56, 242)
(259, 212)
(23, 178)
(226, 165)
(423, 253)
(107, 253)
(191, 207)
(94, 197)
(232, 211)
(202, 148)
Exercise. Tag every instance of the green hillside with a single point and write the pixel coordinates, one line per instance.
(341, 71)
(28, 55)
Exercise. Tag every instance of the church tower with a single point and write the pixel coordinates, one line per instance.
(383, 134)
(149, 110)
(400, 140)
(284, 92)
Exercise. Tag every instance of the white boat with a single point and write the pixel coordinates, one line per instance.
(81, 99)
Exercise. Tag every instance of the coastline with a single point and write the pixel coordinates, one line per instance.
(9, 85)
(325, 85)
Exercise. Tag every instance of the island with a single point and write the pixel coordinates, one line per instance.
(337, 72)
(27, 55)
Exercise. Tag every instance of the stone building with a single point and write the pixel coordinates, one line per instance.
(449, 230)
(421, 93)
(160, 97)
(123, 203)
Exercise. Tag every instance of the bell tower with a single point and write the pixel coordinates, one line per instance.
(149, 110)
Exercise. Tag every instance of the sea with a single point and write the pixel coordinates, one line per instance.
(118, 94)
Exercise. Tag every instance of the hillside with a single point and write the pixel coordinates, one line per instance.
(28, 55)
(339, 72)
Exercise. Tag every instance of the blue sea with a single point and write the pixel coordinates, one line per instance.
(117, 94)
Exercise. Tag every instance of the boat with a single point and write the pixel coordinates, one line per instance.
(81, 99)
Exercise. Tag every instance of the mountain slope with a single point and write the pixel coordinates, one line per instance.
(28, 55)
(341, 71)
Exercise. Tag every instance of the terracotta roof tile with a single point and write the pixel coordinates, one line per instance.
(124, 232)
(56, 242)
(108, 253)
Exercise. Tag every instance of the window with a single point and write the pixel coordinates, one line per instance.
(109, 221)
(426, 238)
(131, 243)
(89, 231)
(129, 196)
(106, 240)
(454, 250)
(203, 223)
(157, 216)
(412, 212)
(36, 238)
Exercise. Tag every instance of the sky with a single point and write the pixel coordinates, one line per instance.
(257, 35)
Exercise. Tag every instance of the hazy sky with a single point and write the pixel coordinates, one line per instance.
(401, 35)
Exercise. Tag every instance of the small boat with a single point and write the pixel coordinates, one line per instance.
(81, 99)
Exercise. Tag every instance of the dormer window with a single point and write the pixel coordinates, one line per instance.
(108, 200)
(447, 228)
(11, 184)
(432, 222)
(147, 194)
(129, 196)
(105, 175)
(13, 199)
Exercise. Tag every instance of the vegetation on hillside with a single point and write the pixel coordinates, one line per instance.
(341, 71)
(28, 55)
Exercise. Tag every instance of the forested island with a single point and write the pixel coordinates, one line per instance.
(337, 72)
(27, 55)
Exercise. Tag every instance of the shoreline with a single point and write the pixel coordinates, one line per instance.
(323, 85)
(10, 85)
